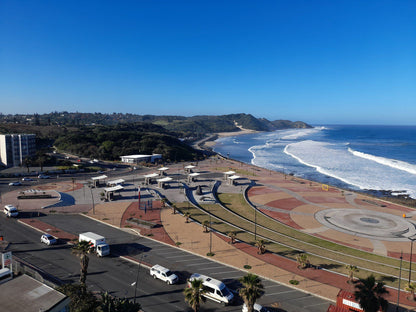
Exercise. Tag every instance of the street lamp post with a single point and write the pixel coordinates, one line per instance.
(400, 277)
(410, 264)
(210, 235)
(92, 198)
(255, 224)
(137, 277)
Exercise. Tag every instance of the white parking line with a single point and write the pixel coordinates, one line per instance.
(195, 259)
(282, 292)
(195, 265)
(170, 252)
(273, 285)
(223, 272)
(316, 304)
(186, 255)
(210, 268)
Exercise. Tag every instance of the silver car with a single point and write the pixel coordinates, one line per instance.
(48, 239)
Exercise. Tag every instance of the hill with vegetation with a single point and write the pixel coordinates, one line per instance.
(109, 136)
(194, 126)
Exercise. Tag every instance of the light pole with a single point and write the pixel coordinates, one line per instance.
(411, 253)
(210, 235)
(92, 198)
(400, 277)
(137, 278)
(255, 224)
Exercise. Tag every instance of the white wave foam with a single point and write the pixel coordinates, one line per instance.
(295, 134)
(397, 164)
(335, 160)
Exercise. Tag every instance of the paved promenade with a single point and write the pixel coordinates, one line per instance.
(290, 200)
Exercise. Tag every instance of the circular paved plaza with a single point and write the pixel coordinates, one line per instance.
(367, 223)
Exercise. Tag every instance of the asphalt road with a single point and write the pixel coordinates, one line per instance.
(116, 275)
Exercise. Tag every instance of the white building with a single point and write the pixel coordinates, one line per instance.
(135, 159)
(14, 148)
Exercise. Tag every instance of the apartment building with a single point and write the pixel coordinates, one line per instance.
(14, 148)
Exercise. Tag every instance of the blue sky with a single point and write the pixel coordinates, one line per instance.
(322, 62)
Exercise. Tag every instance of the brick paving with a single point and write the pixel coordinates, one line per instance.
(191, 236)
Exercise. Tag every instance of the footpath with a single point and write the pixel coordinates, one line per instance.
(192, 238)
(172, 229)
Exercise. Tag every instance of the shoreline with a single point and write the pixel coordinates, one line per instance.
(208, 143)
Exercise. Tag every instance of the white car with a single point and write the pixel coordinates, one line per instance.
(17, 183)
(164, 274)
(48, 239)
(41, 176)
(10, 211)
(257, 308)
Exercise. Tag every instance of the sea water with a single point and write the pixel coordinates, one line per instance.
(369, 158)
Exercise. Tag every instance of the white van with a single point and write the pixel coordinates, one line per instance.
(214, 289)
(10, 211)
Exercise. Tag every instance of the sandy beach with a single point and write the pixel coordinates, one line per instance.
(210, 142)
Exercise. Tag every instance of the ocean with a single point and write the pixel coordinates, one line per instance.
(377, 159)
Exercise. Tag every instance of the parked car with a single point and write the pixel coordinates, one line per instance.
(10, 211)
(48, 239)
(27, 179)
(16, 183)
(42, 176)
(164, 274)
(257, 308)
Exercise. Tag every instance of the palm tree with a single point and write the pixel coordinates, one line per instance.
(232, 235)
(369, 294)
(194, 294)
(351, 270)
(187, 216)
(205, 224)
(174, 208)
(251, 291)
(302, 260)
(260, 244)
(411, 287)
(81, 250)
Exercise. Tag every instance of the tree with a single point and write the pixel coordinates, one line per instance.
(251, 291)
(232, 235)
(411, 287)
(187, 216)
(194, 294)
(81, 299)
(81, 250)
(261, 246)
(302, 260)
(369, 294)
(351, 270)
(112, 304)
(205, 224)
(163, 201)
(27, 162)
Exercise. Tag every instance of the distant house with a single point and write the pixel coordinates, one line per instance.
(23, 293)
(135, 159)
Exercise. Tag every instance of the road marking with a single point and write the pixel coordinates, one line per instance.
(186, 255)
(195, 265)
(210, 268)
(190, 260)
(223, 272)
(274, 285)
(316, 304)
(282, 292)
